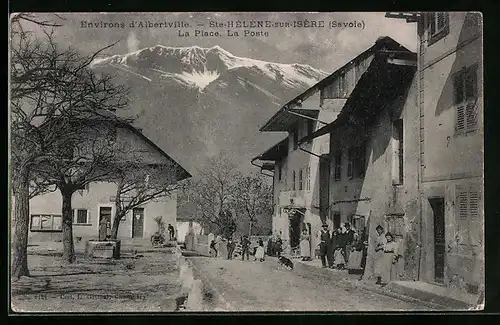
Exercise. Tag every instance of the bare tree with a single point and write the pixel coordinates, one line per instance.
(253, 199)
(48, 88)
(211, 195)
(138, 182)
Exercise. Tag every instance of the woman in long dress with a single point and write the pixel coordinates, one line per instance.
(389, 259)
(305, 247)
(259, 253)
(379, 254)
(338, 254)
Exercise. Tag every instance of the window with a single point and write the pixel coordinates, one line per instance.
(465, 99)
(301, 180)
(337, 165)
(468, 216)
(438, 26)
(356, 161)
(293, 180)
(308, 178)
(46, 222)
(336, 219)
(342, 85)
(350, 163)
(81, 216)
(398, 152)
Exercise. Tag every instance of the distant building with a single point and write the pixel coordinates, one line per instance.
(95, 202)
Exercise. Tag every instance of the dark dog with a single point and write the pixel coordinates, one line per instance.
(286, 262)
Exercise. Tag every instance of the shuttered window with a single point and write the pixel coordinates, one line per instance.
(308, 178)
(350, 163)
(293, 181)
(438, 26)
(337, 165)
(301, 180)
(465, 99)
(468, 215)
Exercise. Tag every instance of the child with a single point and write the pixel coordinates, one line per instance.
(259, 254)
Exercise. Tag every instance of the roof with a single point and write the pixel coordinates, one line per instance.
(108, 116)
(286, 119)
(383, 81)
(381, 42)
(276, 152)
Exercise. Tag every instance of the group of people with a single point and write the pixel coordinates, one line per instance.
(335, 248)
(245, 243)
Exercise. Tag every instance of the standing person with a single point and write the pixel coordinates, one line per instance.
(171, 231)
(279, 245)
(213, 249)
(340, 241)
(230, 248)
(245, 248)
(324, 243)
(379, 253)
(259, 253)
(270, 246)
(349, 241)
(305, 247)
(389, 259)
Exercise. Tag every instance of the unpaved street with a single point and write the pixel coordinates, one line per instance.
(262, 286)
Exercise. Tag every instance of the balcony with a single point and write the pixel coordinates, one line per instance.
(293, 198)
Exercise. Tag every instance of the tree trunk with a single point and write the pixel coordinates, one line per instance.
(67, 227)
(116, 222)
(118, 210)
(250, 229)
(21, 225)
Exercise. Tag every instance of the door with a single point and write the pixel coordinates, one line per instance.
(138, 223)
(437, 205)
(295, 225)
(324, 183)
(336, 220)
(105, 214)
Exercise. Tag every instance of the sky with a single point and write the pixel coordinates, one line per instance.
(323, 48)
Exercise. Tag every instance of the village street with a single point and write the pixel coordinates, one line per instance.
(262, 286)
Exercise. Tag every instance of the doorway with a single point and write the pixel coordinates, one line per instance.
(324, 187)
(295, 228)
(105, 213)
(138, 223)
(437, 205)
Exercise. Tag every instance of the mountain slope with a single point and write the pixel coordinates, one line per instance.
(195, 102)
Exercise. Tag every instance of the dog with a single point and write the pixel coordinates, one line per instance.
(286, 262)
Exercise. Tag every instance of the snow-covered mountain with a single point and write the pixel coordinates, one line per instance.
(195, 102)
(198, 67)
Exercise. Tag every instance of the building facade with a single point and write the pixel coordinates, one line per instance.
(451, 110)
(95, 201)
(302, 169)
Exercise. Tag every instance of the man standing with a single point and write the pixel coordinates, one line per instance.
(324, 243)
(245, 248)
(171, 231)
(349, 240)
(230, 248)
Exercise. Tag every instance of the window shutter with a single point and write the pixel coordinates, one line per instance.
(471, 114)
(73, 214)
(88, 217)
(474, 221)
(441, 20)
(350, 163)
(460, 117)
(463, 207)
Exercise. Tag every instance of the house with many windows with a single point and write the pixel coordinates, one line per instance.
(450, 106)
(96, 201)
(303, 162)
